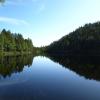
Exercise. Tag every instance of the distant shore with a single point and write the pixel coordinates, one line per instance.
(14, 53)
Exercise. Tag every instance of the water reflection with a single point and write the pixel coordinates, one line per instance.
(15, 64)
(87, 66)
(47, 80)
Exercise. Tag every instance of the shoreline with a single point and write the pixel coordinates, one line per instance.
(14, 53)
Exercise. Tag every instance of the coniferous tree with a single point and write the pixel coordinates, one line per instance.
(14, 42)
(84, 40)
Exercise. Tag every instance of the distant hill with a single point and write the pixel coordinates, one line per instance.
(84, 40)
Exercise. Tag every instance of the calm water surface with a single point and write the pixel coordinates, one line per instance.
(40, 78)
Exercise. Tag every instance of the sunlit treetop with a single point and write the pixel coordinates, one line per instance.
(2, 1)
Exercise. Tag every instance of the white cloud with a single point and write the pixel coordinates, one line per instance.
(13, 21)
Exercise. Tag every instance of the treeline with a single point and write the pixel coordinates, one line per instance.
(84, 40)
(10, 42)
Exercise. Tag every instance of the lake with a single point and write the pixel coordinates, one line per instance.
(49, 78)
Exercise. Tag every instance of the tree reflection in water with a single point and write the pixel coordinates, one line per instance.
(87, 66)
(14, 64)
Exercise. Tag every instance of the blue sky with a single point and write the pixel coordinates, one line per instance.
(45, 21)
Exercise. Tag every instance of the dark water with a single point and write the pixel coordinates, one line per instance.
(53, 78)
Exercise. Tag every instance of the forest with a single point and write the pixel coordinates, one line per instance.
(14, 43)
(83, 41)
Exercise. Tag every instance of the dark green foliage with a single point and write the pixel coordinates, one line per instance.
(14, 42)
(14, 64)
(2, 1)
(87, 66)
(84, 40)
